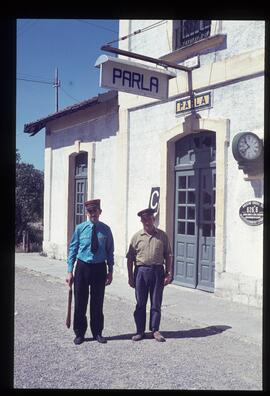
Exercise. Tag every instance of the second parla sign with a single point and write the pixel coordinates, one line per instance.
(196, 102)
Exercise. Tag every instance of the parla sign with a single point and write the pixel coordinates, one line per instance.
(197, 102)
(133, 77)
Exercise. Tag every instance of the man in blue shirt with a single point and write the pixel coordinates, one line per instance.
(93, 247)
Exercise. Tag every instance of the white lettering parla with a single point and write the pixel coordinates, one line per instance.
(135, 80)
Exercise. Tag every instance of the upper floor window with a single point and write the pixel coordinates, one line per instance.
(189, 31)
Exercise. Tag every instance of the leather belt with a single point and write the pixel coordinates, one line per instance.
(158, 266)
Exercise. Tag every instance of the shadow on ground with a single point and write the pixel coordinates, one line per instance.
(192, 333)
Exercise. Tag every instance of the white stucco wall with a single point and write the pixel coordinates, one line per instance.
(242, 103)
(146, 125)
(242, 35)
(56, 244)
(67, 139)
(143, 42)
(59, 196)
(106, 180)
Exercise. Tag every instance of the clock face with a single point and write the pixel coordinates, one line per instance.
(249, 146)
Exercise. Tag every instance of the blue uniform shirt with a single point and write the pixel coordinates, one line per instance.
(80, 245)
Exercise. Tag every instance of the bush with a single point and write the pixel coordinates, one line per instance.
(29, 199)
(34, 238)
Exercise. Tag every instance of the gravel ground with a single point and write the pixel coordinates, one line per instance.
(193, 357)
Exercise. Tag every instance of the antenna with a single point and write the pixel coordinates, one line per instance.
(56, 86)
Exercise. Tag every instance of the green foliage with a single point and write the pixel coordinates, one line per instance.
(29, 196)
(18, 156)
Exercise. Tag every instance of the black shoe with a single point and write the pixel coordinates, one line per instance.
(78, 340)
(159, 337)
(138, 337)
(100, 339)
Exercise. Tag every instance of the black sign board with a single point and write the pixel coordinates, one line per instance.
(251, 212)
(193, 103)
(154, 198)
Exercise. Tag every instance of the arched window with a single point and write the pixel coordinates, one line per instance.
(80, 187)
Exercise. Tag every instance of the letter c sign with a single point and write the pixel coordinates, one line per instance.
(154, 198)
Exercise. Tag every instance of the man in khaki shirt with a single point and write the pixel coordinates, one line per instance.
(148, 251)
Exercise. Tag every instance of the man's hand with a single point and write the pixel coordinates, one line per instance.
(109, 279)
(167, 279)
(69, 278)
(131, 281)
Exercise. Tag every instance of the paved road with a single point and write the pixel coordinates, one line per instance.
(193, 357)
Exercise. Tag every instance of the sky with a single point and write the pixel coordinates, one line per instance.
(72, 46)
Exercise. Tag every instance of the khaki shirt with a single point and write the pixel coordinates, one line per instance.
(149, 249)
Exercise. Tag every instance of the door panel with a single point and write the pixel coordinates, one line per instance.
(80, 187)
(206, 240)
(186, 229)
(80, 198)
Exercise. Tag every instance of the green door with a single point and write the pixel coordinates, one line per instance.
(194, 241)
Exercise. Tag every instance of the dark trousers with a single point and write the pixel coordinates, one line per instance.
(148, 280)
(93, 275)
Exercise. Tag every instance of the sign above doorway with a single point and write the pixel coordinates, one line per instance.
(133, 77)
(197, 102)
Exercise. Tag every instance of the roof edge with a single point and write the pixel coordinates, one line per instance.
(34, 127)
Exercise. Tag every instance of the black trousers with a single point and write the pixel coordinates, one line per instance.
(148, 280)
(93, 275)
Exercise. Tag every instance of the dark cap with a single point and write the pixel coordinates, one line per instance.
(92, 204)
(147, 211)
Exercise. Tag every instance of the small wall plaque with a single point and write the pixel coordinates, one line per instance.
(251, 212)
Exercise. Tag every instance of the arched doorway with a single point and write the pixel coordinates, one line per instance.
(194, 229)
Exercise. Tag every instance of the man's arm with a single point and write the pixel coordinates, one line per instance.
(110, 251)
(168, 262)
(110, 257)
(131, 280)
(131, 260)
(73, 250)
(168, 269)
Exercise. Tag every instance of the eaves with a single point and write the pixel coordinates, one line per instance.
(34, 127)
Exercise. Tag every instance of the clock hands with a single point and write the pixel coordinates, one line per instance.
(248, 146)
(243, 150)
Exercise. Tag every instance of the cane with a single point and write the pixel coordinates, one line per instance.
(68, 319)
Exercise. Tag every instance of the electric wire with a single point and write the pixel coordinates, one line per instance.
(62, 89)
(33, 76)
(50, 83)
(154, 25)
(35, 81)
(98, 26)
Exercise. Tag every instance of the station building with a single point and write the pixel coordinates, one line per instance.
(195, 155)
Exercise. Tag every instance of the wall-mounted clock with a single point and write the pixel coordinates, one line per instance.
(247, 147)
